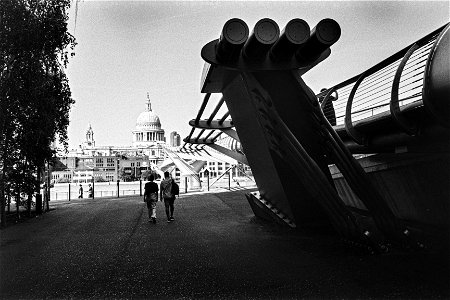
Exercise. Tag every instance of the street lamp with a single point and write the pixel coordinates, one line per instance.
(207, 177)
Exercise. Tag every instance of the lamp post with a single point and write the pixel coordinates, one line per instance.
(207, 177)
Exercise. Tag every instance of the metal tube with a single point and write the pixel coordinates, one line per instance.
(202, 108)
(208, 135)
(199, 135)
(264, 35)
(325, 34)
(233, 36)
(218, 106)
(295, 34)
(224, 117)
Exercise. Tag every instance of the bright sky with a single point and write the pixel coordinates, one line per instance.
(128, 48)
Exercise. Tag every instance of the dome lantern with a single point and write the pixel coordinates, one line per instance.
(148, 104)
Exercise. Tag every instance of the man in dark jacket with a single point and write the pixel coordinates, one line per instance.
(166, 194)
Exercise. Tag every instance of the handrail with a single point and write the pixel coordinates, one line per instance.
(387, 61)
(374, 91)
(354, 134)
(394, 104)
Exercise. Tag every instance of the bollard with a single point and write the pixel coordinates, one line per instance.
(229, 180)
(69, 191)
(118, 191)
(185, 184)
(140, 187)
(93, 188)
(208, 180)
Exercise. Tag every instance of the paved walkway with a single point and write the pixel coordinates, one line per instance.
(215, 249)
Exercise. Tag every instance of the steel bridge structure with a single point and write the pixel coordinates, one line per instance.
(368, 156)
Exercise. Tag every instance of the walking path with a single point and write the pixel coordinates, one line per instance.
(215, 248)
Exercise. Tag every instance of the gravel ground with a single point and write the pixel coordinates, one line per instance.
(215, 249)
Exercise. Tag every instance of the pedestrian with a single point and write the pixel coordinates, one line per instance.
(90, 191)
(80, 192)
(166, 194)
(151, 197)
(328, 110)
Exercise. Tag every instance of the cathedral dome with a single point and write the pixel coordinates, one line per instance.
(148, 128)
(148, 120)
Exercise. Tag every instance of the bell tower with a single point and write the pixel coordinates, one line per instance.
(90, 142)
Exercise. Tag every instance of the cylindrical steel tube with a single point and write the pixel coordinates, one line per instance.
(325, 34)
(295, 34)
(233, 36)
(264, 35)
(436, 85)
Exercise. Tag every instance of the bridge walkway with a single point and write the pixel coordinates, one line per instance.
(216, 248)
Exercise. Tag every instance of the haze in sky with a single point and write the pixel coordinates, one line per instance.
(128, 48)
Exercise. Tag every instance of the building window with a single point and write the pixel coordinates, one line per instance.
(138, 164)
(99, 162)
(110, 162)
(132, 164)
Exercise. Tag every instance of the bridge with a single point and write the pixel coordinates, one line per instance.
(368, 156)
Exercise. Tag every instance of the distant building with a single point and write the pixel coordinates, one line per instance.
(175, 139)
(109, 163)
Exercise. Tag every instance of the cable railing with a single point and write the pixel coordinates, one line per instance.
(373, 94)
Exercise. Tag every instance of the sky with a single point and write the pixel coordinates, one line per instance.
(128, 48)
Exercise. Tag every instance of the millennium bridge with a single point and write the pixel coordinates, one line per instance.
(368, 156)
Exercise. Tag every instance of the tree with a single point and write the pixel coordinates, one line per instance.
(35, 97)
(123, 175)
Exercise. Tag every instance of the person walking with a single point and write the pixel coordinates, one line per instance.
(328, 110)
(80, 192)
(151, 197)
(90, 191)
(166, 194)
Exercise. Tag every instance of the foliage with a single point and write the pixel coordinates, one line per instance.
(35, 97)
(147, 174)
(124, 176)
(100, 179)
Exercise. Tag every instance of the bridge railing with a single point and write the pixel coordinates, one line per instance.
(370, 94)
